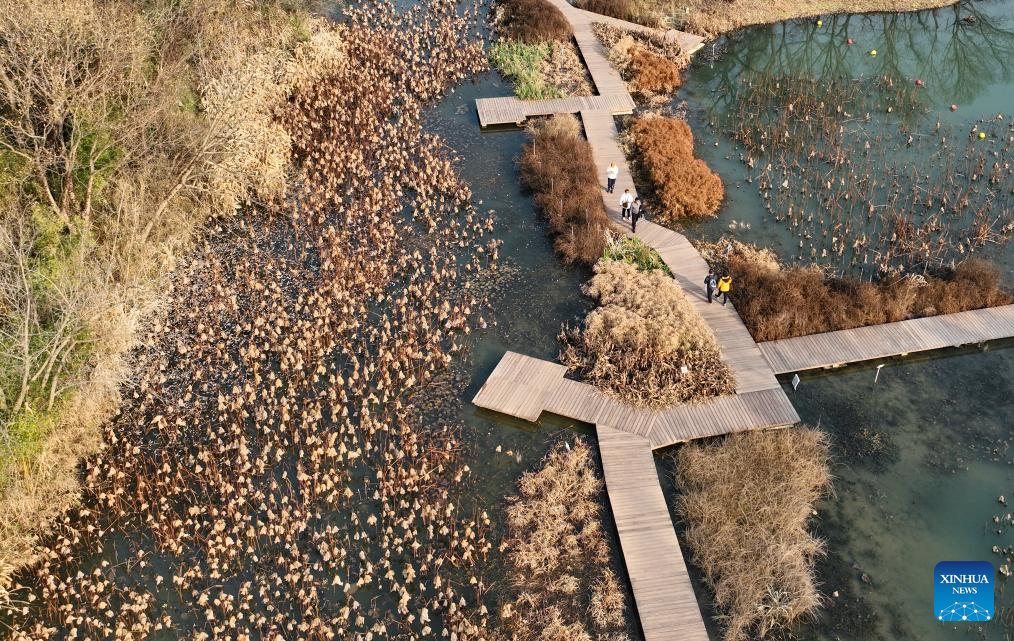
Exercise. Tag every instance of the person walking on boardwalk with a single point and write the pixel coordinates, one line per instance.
(625, 201)
(611, 173)
(635, 214)
(724, 287)
(710, 282)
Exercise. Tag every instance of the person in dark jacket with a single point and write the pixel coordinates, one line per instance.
(710, 283)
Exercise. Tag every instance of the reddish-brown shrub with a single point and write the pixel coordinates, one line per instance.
(532, 21)
(783, 303)
(684, 185)
(558, 167)
(652, 73)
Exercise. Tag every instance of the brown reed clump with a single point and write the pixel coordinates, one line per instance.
(558, 167)
(532, 21)
(637, 11)
(650, 65)
(746, 500)
(683, 184)
(776, 302)
(644, 334)
(558, 554)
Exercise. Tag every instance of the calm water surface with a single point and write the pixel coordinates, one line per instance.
(920, 453)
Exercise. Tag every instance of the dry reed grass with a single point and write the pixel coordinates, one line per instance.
(531, 21)
(637, 11)
(683, 185)
(650, 65)
(777, 302)
(746, 500)
(645, 343)
(559, 555)
(558, 167)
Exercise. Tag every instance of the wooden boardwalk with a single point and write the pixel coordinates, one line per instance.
(666, 604)
(526, 387)
(832, 349)
(612, 98)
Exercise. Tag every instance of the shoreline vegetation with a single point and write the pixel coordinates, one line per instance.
(124, 130)
(535, 49)
(267, 473)
(558, 555)
(651, 67)
(645, 343)
(713, 18)
(747, 500)
(778, 302)
(557, 166)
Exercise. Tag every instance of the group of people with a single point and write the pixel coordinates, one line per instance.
(631, 210)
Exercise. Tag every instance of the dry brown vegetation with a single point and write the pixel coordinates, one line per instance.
(650, 65)
(714, 17)
(638, 11)
(683, 185)
(634, 344)
(559, 557)
(746, 500)
(531, 21)
(777, 302)
(558, 167)
(124, 126)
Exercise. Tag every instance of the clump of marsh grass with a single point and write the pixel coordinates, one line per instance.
(650, 65)
(634, 251)
(683, 185)
(558, 167)
(645, 343)
(637, 11)
(747, 500)
(531, 21)
(559, 556)
(777, 302)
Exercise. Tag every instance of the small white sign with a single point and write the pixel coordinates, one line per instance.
(795, 381)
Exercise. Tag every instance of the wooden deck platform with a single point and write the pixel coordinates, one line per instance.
(832, 349)
(512, 111)
(524, 387)
(666, 604)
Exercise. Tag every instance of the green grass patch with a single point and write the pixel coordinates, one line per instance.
(635, 252)
(520, 62)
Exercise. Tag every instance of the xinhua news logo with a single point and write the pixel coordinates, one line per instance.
(963, 590)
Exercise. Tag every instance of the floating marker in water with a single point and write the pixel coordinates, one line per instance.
(873, 52)
(918, 82)
(954, 107)
(982, 135)
(850, 41)
(820, 23)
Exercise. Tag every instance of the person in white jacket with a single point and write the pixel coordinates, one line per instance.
(612, 171)
(625, 200)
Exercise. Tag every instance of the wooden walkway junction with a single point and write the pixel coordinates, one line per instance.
(833, 349)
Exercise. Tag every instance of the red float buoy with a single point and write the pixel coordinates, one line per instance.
(918, 83)
(851, 41)
(954, 107)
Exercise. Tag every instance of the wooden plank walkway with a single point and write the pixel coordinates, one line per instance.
(832, 349)
(739, 351)
(665, 599)
(525, 387)
(512, 111)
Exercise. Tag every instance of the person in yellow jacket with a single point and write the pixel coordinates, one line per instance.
(724, 286)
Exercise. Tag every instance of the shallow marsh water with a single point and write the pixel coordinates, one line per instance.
(920, 455)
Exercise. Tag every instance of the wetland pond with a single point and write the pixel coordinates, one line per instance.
(921, 446)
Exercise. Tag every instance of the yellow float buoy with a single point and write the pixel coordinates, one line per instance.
(873, 53)
(982, 135)
(820, 23)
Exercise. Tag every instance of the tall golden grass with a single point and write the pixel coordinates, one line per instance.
(650, 65)
(531, 21)
(558, 554)
(747, 500)
(683, 185)
(637, 343)
(558, 167)
(777, 302)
